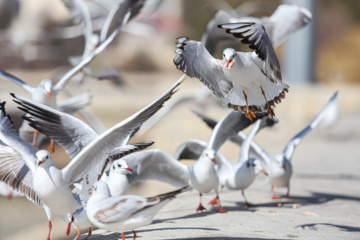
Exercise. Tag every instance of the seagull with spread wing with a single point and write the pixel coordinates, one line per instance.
(48, 184)
(246, 81)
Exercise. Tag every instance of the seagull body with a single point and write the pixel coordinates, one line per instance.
(124, 212)
(250, 82)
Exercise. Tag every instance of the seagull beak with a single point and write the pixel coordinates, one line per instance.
(48, 94)
(227, 63)
(230, 64)
(40, 162)
(213, 160)
(263, 172)
(129, 169)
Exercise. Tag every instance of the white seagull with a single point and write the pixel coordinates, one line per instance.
(51, 184)
(124, 212)
(237, 176)
(279, 168)
(249, 81)
(46, 93)
(283, 22)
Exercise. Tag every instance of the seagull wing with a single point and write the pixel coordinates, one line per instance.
(75, 103)
(285, 20)
(290, 147)
(10, 137)
(68, 131)
(213, 35)
(116, 16)
(96, 151)
(194, 60)
(15, 173)
(16, 80)
(255, 36)
(154, 164)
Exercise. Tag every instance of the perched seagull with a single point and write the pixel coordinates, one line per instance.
(249, 81)
(154, 164)
(237, 176)
(117, 181)
(124, 212)
(38, 164)
(284, 21)
(279, 168)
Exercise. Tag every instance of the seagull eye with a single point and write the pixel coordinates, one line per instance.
(119, 165)
(223, 55)
(248, 164)
(47, 157)
(114, 167)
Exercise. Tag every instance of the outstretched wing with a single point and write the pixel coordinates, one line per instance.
(290, 147)
(255, 35)
(194, 60)
(16, 80)
(68, 131)
(10, 137)
(154, 164)
(15, 173)
(96, 151)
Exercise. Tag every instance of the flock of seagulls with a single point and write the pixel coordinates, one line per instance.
(92, 190)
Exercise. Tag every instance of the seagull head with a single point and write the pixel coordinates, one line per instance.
(228, 58)
(210, 154)
(46, 87)
(120, 167)
(43, 158)
(258, 167)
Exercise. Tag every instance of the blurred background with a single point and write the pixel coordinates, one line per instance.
(36, 43)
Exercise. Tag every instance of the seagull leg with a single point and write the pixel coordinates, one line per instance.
(200, 207)
(249, 114)
(50, 226)
(10, 195)
(274, 197)
(68, 229)
(288, 192)
(134, 234)
(221, 210)
(247, 204)
(34, 138)
(89, 234)
(122, 236)
(78, 233)
(269, 110)
(215, 201)
(51, 147)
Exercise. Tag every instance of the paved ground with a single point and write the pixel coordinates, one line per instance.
(325, 188)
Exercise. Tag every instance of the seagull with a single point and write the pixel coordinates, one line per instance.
(154, 164)
(117, 182)
(279, 168)
(285, 20)
(124, 212)
(237, 176)
(249, 81)
(46, 93)
(39, 163)
(8, 191)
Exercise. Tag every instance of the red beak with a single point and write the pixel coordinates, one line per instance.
(263, 172)
(129, 169)
(48, 94)
(40, 162)
(213, 160)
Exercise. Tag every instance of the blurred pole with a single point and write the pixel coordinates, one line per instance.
(298, 57)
